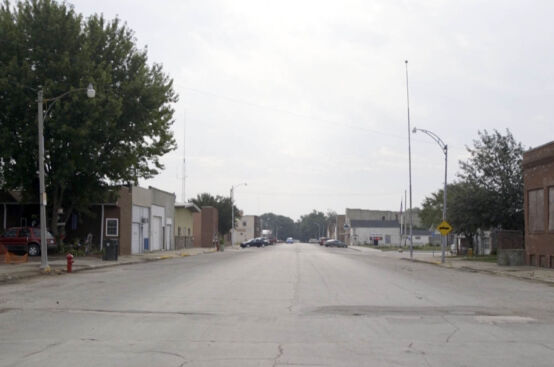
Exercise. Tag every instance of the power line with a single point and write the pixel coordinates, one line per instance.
(276, 193)
(295, 114)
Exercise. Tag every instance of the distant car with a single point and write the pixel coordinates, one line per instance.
(255, 242)
(313, 240)
(290, 240)
(270, 240)
(322, 240)
(334, 243)
(265, 241)
(25, 239)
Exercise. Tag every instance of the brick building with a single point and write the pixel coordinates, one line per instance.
(205, 227)
(538, 178)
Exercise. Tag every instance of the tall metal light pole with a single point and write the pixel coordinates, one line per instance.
(410, 165)
(444, 148)
(233, 211)
(43, 201)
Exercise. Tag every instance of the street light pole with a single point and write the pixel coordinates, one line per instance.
(43, 246)
(233, 211)
(40, 116)
(444, 148)
(410, 165)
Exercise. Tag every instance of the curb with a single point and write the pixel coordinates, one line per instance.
(60, 271)
(484, 271)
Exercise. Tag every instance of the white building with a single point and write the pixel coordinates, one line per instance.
(247, 227)
(373, 232)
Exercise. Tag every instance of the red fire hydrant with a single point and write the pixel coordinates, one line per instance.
(69, 258)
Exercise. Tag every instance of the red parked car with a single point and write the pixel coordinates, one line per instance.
(25, 239)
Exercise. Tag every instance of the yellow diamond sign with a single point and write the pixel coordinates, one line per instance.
(444, 228)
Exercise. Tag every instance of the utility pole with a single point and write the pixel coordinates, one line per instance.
(232, 217)
(410, 164)
(444, 148)
(405, 221)
(40, 117)
(183, 183)
(43, 246)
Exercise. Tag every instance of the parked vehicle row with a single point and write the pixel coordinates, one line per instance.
(25, 239)
(335, 243)
(256, 242)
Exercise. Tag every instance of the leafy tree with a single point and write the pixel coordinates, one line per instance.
(90, 144)
(307, 226)
(463, 208)
(282, 226)
(490, 193)
(223, 205)
(431, 209)
(494, 167)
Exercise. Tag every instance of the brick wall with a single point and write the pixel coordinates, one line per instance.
(125, 204)
(507, 240)
(205, 226)
(538, 174)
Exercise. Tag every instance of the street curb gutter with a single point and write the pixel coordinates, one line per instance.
(8, 278)
(484, 271)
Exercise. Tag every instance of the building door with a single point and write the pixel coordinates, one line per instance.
(156, 240)
(135, 239)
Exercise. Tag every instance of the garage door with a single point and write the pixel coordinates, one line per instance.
(135, 240)
(157, 233)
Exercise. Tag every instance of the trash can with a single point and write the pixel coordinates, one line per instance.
(111, 249)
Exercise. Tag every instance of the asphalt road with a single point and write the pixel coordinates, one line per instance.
(297, 304)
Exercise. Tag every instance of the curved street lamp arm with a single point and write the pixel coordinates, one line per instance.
(435, 137)
(55, 99)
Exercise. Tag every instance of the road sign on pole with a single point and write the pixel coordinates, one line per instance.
(444, 228)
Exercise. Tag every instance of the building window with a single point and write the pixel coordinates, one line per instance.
(551, 209)
(112, 227)
(535, 202)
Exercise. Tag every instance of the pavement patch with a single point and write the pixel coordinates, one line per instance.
(370, 310)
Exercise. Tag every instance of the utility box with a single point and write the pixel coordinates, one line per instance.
(111, 249)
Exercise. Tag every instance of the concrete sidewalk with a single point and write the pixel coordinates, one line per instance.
(534, 273)
(58, 263)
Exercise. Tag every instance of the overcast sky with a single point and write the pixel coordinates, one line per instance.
(306, 100)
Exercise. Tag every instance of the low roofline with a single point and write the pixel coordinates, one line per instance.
(192, 206)
(166, 192)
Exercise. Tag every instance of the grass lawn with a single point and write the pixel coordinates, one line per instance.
(485, 258)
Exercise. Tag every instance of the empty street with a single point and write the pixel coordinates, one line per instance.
(289, 304)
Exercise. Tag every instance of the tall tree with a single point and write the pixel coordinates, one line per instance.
(490, 192)
(282, 226)
(90, 144)
(307, 226)
(464, 208)
(494, 166)
(223, 205)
